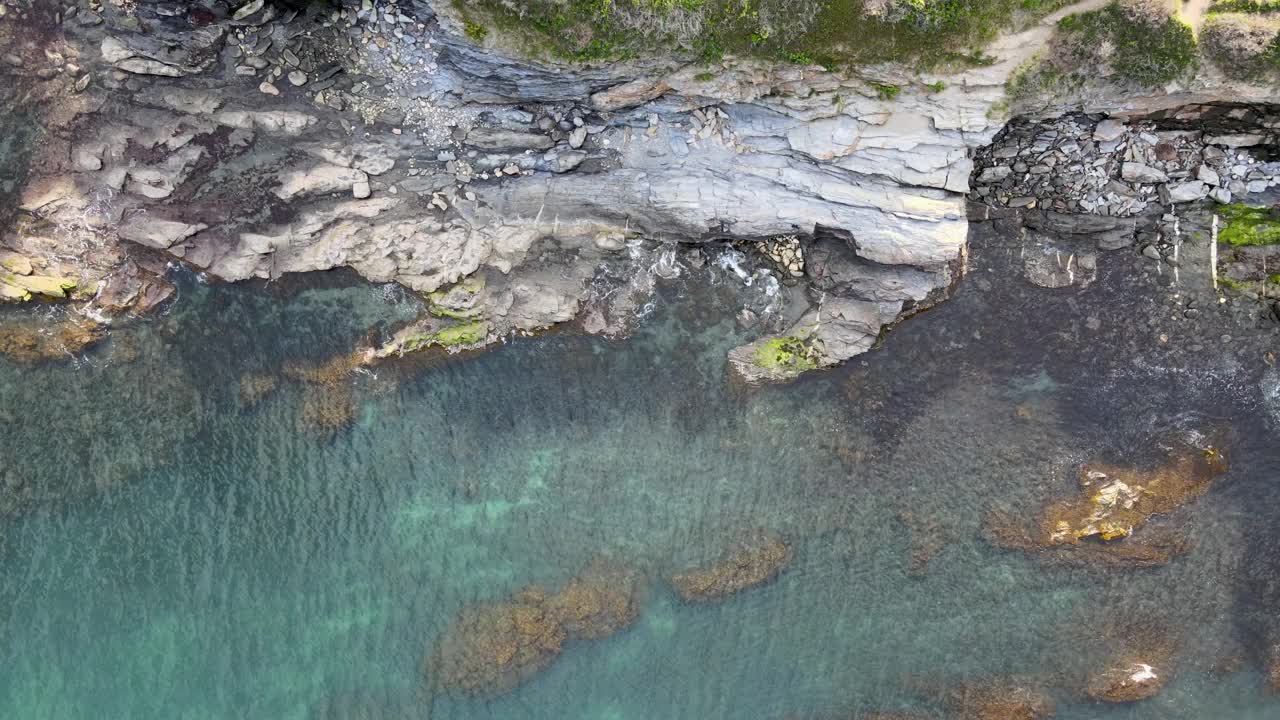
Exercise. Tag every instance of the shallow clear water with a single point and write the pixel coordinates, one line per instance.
(204, 561)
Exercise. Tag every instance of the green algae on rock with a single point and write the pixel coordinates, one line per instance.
(54, 288)
(1248, 225)
(431, 332)
(788, 354)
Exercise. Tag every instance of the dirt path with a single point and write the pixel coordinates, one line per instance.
(1014, 49)
(1193, 12)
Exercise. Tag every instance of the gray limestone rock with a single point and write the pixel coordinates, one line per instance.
(1185, 191)
(498, 139)
(1140, 173)
(1109, 130)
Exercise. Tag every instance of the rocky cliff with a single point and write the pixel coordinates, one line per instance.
(255, 139)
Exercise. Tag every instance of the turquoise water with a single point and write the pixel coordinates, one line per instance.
(176, 556)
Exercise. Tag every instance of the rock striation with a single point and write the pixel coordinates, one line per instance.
(250, 140)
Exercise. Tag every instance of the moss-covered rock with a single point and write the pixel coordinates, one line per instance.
(1247, 225)
(788, 353)
(54, 288)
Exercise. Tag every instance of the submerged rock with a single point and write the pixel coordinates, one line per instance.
(31, 340)
(756, 560)
(254, 388)
(597, 603)
(1273, 668)
(1112, 504)
(1115, 501)
(328, 400)
(997, 698)
(493, 648)
(1126, 683)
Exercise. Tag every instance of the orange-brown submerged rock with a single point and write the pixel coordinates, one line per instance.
(1115, 501)
(999, 697)
(1097, 526)
(493, 648)
(598, 602)
(756, 560)
(999, 701)
(329, 400)
(1126, 682)
(31, 340)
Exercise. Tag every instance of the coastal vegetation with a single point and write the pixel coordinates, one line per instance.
(832, 33)
(1243, 37)
(1141, 40)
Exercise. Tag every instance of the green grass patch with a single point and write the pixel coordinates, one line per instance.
(788, 353)
(1256, 7)
(831, 33)
(1243, 45)
(475, 31)
(1247, 225)
(1148, 54)
(885, 91)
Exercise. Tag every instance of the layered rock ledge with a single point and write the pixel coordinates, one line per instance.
(250, 140)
